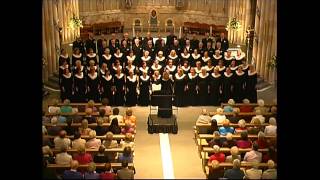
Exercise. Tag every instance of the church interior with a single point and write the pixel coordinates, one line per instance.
(162, 89)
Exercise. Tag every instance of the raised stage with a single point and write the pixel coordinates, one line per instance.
(158, 124)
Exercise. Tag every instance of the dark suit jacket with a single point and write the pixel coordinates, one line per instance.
(125, 173)
(224, 44)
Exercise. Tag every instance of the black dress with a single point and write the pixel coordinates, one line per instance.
(106, 59)
(215, 60)
(239, 86)
(251, 82)
(66, 86)
(91, 57)
(204, 60)
(227, 61)
(142, 70)
(215, 87)
(76, 57)
(106, 83)
(172, 70)
(144, 85)
(158, 68)
(194, 58)
(165, 103)
(175, 60)
(179, 90)
(227, 86)
(131, 95)
(203, 89)
(128, 69)
(239, 59)
(93, 87)
(119, 83)
(147, 60)
(79, 88)
(154, 99)
(162, 60)
(133, 59)
(192, 91)
(63, 59)
(186, 70)
(185, 58)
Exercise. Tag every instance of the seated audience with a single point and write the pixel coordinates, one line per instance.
(54, 129)
(72, 173)
(48, 173)
(109, 142)
(259, 116)
(69, 128)
(261, 141)
(254, 155)
(128, 128)
(229, 142)
(83, 157)
(261, 107)
(244, 142)
(45, 119)
(54, 108)
(256, 128)
(100, 129)
(213, 127)
(242, 127)
(93, 142)
(204, 118)
(219, 156)
(126, 156)
(246, 106)
(130, 118)
(105, 106)
(215, 171)
(91, 105)
(271, 172)
(125, 172)
(235, 115)
(91, 172)
(91, 119)
(84, 128)
(270, 155)
(102, 113)
(115, 114)
(78, 141)
(128, 141)
(219, 117)
(62, 140)
(271, 130)
(234, 154)
(63, 158)
(229, 108)
(114, 126)
(108, 174)
(47, 155)
(226, 128)
(216, 140)
(253, 173)
(235, 172)
(66, 108)
(101, 157)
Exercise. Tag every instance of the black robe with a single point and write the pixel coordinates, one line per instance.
(162, 61)
(125, 50)
(227, 61)
(159, 68)
(147, 70)
(144, 85)
(91, 43)
(79, 89)
(239, 87)
(106, 59)
(192, 91)
(127, 70)
(89, 58)
(172, 70)
(137, 50)
(227, 86)
(185, 58)
(75, 57)
(175, 60)
(179, 90)
(131, 95)
(119, 83)
(93, 88)
(155, 99)
(62, 59)
(203, 89)
(66, 87)
(106, 84)
(215, 87)
(186, 70)
(251, 82)
(239, 59)
(215, 60)
(165, 103)
(194, 59)
(133, 59)
(79, 45)
(148, 61)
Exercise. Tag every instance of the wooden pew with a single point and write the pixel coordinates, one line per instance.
(234, 136)
(115, 136)
(71, 114)
(93, 125)
(245, 115)
(91, 151)
(85, 166)
(80, 106)
(250, 104)
(200, 125)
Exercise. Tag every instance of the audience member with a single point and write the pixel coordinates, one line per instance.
(83, 157)
(78, 141)
(244, 142)
(235, 115)
(246, 106)
(114, 126)
(63, 158)
(213, 127)
(253, 173)
(271, 130)
(115, 114)
(72, 173)
(271, 172)
(242, 127)
(216, 140)
(219, 156)
(128, 141)
(69, 128)
(261, 141)
(127, 128)
(66, 108)
(219, 117)
(125, 172)
(54, 108)
(226, 128)
(130, 118)
(215, 171)
(54, 129)
(234, 154)
(100, 129)
(101, 157)
(47, 155)
(62, 140)
(256, 128)
(229, 142)
(91, 172)
(93, 142)
(91, 119)
(108, 174)
(254, 155)
(204, 118)
(126, 156)
(84, 128)
(229, 108)
(261, 107)
(235, 172)
(105, 106)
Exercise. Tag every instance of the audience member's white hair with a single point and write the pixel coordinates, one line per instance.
(92, 134)
(229, 136)
(242, 123)
(234, 150)
(246, 101)
(231, 102)
(261, 102)
(270, 164)
(54, 120)
(45, 150)
(258, 112)
(216, 134)
(215, 164)
(273, 121)
(261, 134)
(236, 163)
(204, 112)
(216, 149)
(219, 111)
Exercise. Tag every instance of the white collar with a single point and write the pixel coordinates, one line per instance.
(240, 57)
(233, 68)
(80, 77)
(172, 68)
(252, 73)
(145, 79)
(77, 56)
(179, 77)
(154, 68)
(62, 67)
(131, 58)
(107, 78)
(156, 78)
(107, 57)
(244, 67)
(215, 76)
(195, 57)
(185, 69)
(117, 68)
(132, 67)
(201, 76)
(185, 56)
(239, 74)
(93, 76)
(209, 69)
(144, 70)
(91, 56)
(219, 57)
(197, 70)
(222, 68)
(191, 77)
(95, 68)
(61, 55)
(119, 77)
(146, 59)
(134, 78)
(205, 59)
(67, 76)
(80, 68)
(228, 58)
(102, 72)
(172, 57)
(225, 74)
(118, 56)
(160, 59)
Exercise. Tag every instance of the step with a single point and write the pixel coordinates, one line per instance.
(56, 74)
(54, 79)
(52, 85)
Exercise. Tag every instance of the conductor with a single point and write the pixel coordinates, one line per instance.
(165, 102)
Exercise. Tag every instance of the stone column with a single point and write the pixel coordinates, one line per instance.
(264, 38)
(56, 33)
(44, 45)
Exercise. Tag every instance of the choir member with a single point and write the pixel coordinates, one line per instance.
(209, 67)
(156, 67)
(210, 49)
(151, 49)
(218, 48)
(79, 86)
(221, 67)
(130, 67)
(103, 70)
(165, 105)
(115, 40)
(216, 57)
(228, 58)
(113, 46)
(185, 56)
(91, 56)
(64, 57)
(194, 41)
(137, 37)
(93, 85)
(180, 83)
(170, 38)
(144, 89)
(215, 87)
(131, 89)
(251, 82)
(201, 48)
(185, 67)
(158, 41)
(174, 57)
(146, 39)
(119, 83)
(239, 85)
(233, 66)
(188, 46)
(63, 66)
(91, 42)
(131, 57)
(194, 58)
(198, 67)
(146, 58)
(162, 47)
(78, 66)
(106, 58)
(91, 64)
(206, 39)
(205, 58)
(119, 56)
(224, 42)
(239, 57)
(155, 81)
(126, 38)
(203, 86)
(144, 68)
(78, 44)
(125, 48)
(66, 85)
(245, 66)
(106, 84)
(176, 47)
(77, 55)
(137, 50)
(183, 39)
(102, 44)
(191, 87)
(171, 67)
(161, 58)
(227, 85)
(116, 66)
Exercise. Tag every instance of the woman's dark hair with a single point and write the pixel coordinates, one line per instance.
(114, 126)
(127, 151)
(115, 111)
(244, 135)
(102, 112)
(255, 146)
(214, 125)
(77, 135)
(105, 101)
(69, 121)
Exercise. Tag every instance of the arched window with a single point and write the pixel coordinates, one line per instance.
(137, 22)
(169, 22)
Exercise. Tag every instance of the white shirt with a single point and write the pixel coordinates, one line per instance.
(219, 118)
(261, 118)
(63, 158)
(58, 142)
(119, 117)
(203, 119)
(269, 174)
(253, 173)
(93, 143)
(77, 143)
(253, 156)
(270, 130)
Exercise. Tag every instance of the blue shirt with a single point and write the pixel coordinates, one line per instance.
(225, 130)
(91, 175)
(234, 173)
(228, 109)
(72, 175)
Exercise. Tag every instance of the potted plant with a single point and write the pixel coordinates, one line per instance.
(75, 22)
(233, 24)
(272, 63)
